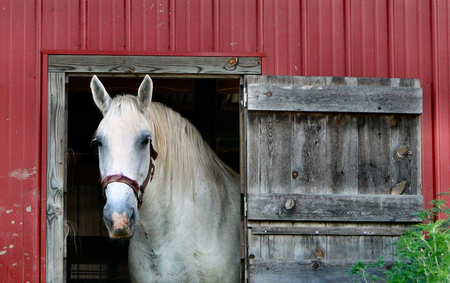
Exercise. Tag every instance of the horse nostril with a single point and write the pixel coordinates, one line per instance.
(132, 217)
(108, 220)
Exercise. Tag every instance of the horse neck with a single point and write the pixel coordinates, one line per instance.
(184, 164)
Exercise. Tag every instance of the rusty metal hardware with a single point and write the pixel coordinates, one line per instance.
(232, 61)
(290, 203)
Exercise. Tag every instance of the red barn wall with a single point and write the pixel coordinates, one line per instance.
(401, 38)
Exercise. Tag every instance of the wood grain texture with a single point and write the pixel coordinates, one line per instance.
(310, 271)
(311, 151)
(367, 231)
(326, 94)
(342, 208)
(374, 137)
(275, 152)
(152, 64)
(319, 196)
(56, 181)
(406, 165)
(343, 153)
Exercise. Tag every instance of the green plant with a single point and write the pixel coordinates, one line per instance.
(422, 252)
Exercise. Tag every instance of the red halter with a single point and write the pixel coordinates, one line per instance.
(133, 183)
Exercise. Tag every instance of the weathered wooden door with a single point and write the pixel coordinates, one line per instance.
(331, 170)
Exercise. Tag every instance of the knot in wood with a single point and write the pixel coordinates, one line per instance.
(290, 203)
(401, 152)
(294, 174)
(232, 61)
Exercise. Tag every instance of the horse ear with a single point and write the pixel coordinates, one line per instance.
(101, 97)
(145, 93)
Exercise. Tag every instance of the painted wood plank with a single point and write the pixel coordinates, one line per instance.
(153, 64)
(350, 99)
(368, 231)
(56, 181)
(342, 208)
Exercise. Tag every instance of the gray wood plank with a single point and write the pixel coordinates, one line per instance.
(372, 247)
(405, 153)
(152, 64)
(367, 231)
(342, 208)
(308, 271)
(284, 244)
(311, 161)
(374, 154)
(343, 153)
(342, 247)
(56, 181)
(253, 152)
(355, 99)
(275, 152)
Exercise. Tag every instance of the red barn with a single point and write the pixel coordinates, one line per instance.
(342, 38)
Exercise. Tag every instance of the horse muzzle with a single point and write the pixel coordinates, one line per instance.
(120, 212)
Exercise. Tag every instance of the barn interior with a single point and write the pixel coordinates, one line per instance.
(210, 103)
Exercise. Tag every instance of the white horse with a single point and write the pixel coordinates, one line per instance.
(187, 229)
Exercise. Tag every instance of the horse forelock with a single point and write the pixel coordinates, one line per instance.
(126, 106)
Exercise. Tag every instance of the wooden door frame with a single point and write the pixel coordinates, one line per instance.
(57, 67)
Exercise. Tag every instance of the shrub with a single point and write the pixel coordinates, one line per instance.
(422, 252)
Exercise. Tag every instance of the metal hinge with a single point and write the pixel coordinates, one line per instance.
(245, 98)
(245, 206)
(246, 273)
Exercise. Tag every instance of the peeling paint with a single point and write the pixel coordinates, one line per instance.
(28, 208)
(11, 246)
(12, 222)
(23, 174)
(2, 252)
(9, 211)
(14, 264)
(15, 234)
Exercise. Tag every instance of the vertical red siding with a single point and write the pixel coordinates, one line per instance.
(19, 146)
(401, 38)
(441, 89)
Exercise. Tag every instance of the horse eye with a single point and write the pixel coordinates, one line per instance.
(146, 140)
(97, 141)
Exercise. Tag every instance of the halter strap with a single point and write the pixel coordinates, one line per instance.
(133, 183)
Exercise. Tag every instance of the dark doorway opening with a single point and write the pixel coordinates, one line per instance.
(211, 104)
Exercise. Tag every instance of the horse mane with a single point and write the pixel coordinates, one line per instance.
(182, 152)
(182, 145)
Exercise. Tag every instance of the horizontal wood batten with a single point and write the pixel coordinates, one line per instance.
(321, 231)
(349, 99)
(327, 207)
(302, 270)
(154, 64)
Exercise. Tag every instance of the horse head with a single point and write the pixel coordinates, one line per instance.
(125, 155)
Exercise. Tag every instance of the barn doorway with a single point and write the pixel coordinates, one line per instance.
(211, 103)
